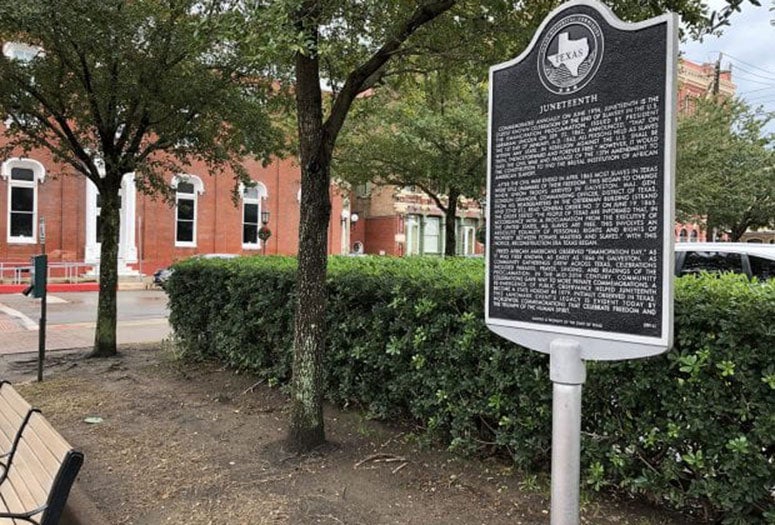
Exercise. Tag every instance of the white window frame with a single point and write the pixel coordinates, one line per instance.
(466, 238)
(39, 175)
(427, 221)
(413, 235)
(262, 195)
(199, 189)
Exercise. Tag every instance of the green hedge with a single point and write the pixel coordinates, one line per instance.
(692, 429)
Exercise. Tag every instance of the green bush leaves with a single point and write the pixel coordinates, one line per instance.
(691, 429)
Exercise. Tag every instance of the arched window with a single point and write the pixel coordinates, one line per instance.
(682, 236)
(187, 188)
(693, 236)
(23, 176)
(253, 198)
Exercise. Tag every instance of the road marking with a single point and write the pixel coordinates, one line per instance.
(28, 323)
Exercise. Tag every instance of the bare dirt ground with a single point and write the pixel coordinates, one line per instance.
(194, 444)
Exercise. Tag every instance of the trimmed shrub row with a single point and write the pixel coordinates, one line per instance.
(692, 429)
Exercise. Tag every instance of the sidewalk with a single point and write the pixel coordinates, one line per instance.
(16, 336)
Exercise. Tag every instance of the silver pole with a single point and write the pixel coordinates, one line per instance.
(567, 372)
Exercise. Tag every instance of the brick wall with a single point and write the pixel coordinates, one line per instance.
(62, 201)
(380, 235)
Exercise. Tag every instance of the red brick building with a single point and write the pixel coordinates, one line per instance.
(403, 221)
(203, 219)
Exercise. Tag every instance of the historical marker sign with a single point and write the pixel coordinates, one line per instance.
(580, 185)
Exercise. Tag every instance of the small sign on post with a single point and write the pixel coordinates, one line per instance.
(581, 205)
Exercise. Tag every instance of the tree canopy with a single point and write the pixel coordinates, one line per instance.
(140, 86)
(352, 46)
(433, 135)
(725, 168)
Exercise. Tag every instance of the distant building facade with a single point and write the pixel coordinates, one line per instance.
(405, 221)
(204, 218)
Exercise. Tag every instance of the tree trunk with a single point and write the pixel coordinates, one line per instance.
(105, 333)
(450, 229)
(306, 425)
(738, 230)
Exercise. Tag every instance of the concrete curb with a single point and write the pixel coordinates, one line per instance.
(78, 287)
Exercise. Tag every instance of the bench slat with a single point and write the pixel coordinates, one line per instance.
(14, 400)
(36, 478)
(42, 467)
(51, 439)
(9, 503)
(9, 425)
(13, 409)
(45, 463)
(16, 493)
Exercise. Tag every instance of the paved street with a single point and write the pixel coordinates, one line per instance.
(142, 318)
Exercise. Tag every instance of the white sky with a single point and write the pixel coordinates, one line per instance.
(748, 46)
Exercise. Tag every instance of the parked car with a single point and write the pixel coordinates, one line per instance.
(754, 260)
(161, 275)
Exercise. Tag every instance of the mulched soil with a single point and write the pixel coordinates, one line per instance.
(195, 444)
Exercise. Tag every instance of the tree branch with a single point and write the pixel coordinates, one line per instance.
(357, 79)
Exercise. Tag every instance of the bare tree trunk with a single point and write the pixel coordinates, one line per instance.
(316, 144)
(450, 228)
(105, 333)
(306, 426)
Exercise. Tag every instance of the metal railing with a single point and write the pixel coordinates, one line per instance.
(69, 272)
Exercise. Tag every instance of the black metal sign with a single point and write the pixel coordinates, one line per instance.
(580, 184)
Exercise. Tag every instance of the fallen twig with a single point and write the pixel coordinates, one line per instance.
(253, 386)
(399, 467)
(380, 458)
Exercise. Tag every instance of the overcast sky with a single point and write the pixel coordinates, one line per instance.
(748, 45)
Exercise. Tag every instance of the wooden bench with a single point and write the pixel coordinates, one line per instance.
(37, 466)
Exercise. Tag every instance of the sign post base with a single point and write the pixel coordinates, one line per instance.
(568, 373)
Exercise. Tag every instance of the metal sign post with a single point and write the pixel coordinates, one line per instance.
(42, 261)
(580, 205)
(567, 372)
(41, 277)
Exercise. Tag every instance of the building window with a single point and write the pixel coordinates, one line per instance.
(23, 176)
(682, 235)
(22, 205)
(187, 187)
(252, 206)
(432, 235)
(412, 235)
(466, 238)
(693, 236)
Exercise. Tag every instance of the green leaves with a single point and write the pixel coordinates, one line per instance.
(691, 429)
(725, 167)
(147, 86)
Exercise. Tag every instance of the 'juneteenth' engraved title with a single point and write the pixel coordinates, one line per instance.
(565, 104)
